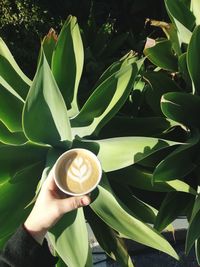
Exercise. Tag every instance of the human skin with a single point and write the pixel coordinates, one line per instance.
(50, 206)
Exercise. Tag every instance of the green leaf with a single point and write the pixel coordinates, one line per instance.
(48, 45)
(45, 115)
(114, 213)
(172, 166)
(11, 105)
(70, 239)
(120, 152)
(197, 250)
(140, 178)
(160, 83)
(173, 205)
(195, 8)
(12, 138)
(142, 126)
(179, 11)
(16, 191)
(67, 63)
(192, 59)
(11, 72)
(193, 232)
(126, 60)
(172, 35)
(183, 69)
(138, 208)
(98, 110)
(182, 17)
(60, 263)
(108, 239)
(162, 56)
(16, 158)
(182, 107)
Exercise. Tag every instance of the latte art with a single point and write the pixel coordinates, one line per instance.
(79, 170)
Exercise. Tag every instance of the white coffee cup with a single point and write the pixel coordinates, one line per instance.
(77, 172)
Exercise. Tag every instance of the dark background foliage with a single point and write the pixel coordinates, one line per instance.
(23, 23)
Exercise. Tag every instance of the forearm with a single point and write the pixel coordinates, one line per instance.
(22, 250)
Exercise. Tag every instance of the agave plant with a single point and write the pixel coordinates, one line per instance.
(41, 119)
(177, 85)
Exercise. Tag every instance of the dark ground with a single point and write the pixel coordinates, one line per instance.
(150, 258)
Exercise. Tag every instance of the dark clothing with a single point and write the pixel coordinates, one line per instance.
(22, 250)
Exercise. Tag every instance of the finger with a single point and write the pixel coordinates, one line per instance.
(72, 203)
(50, 182)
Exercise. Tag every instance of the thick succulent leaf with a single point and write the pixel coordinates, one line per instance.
(16, 158)
(172, 166)
(48, 45)
(162, 56)
(182, 107)
(70, 239)
(21, 168)
(197, 250)
(182, 17)
(119, 152)
(183, 69)
(45, 114)
(172, 35)
(193, 59)
(12, 138)
(140, 178)
(11, 105)
(110, 209)
(106, 100)
(193, 232)
(179, 11)
(138, 208)
(126, 60)
(11, 72)
(195, 8)
(67, 63)
(126, 126)
(108, 239)
(160, 83)
(60, 263)
(15, 193)
(174, 204)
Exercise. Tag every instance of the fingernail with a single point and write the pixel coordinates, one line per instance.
(85, 201)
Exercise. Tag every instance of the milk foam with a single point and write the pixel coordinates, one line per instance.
(78, 169)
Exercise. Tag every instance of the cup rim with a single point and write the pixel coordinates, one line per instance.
(58, 162)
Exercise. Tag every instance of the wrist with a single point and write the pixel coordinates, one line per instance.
(35, 230)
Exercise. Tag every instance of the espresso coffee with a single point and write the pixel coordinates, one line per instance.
(77, 171)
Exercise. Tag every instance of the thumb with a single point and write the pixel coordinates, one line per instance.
(72, 203)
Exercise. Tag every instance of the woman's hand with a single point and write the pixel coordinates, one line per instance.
(49, 207)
